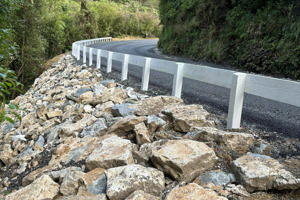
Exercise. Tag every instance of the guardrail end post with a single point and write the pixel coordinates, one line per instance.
(146, 74)
(236, 100)
(125, 67)
(177, 80)
(99, 58)
(109, 62)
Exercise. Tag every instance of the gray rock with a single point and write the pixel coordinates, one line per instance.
(217, 177)
(122, 110)
(98, 186)
(106, 82)
(94, 129)
(98, 89)
(155, 123)
(40, 141)
(27, 151)
(76, 153)
(81, 91)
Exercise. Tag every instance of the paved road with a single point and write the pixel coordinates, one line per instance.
(258, 112)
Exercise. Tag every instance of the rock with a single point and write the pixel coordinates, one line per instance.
(237, 189)
(116, 95)
(183, 160)
(122, 110)
(107, 106)
(155, 123)
(122, 181)
(84, 197)
(193, 191)
(95, 129)
(81, 91)
(86, 97)
(154, 105)
(6, 154)
(88, 108)
(28, 120)
(235, 141)
(68, 129)
(55, 113)
(112, 152)
(217, 177)
(106, 82)
(141, 195)
(93, 183)
(41, 112)
(99, 185)
(22, 168)
(59, 175)
(260, 172)
(70, 183)
(125, 125)
(142, 134)
(41, 189)
(187, 116)
(98, 89)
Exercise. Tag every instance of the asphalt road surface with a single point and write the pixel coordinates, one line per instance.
(258, 113)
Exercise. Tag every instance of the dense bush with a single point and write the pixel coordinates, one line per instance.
(260, 36)
(33, 31)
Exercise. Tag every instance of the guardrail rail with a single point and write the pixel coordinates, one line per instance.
(280, 90)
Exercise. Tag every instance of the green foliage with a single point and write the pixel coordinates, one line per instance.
(32, 31)
(8, 85)
(113, 19)
(259, 36)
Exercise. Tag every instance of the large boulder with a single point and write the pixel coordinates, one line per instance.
(183, 160)
(235, 141)
(193, 191)
(125, 125)
(185, 117)
(111, 152)
(41, 189)
(122, 181)
(154, 105)
(142, 134)
(70, 183)
(93, 182)
(260, 172)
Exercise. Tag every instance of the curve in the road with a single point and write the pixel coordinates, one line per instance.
(257, 112)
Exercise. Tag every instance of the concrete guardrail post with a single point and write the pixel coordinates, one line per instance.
(99, 58)
(109, 62)
(125, 67)
(178, 80)
(84, 55)
(78, 52)
(91, 57)
(236, 100)
(146, 74)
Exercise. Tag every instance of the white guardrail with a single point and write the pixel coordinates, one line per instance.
(279, 90)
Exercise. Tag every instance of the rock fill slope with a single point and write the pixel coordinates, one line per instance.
(88, 138)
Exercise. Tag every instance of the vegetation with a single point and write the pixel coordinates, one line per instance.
(32, 31)
(259, 36)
